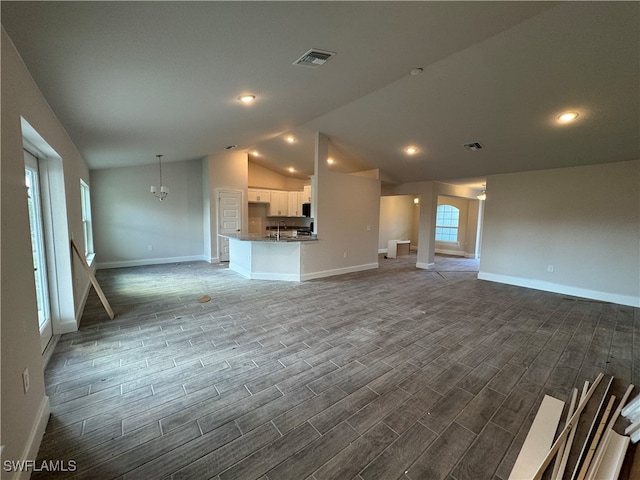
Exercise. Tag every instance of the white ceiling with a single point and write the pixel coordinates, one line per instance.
(130, 80)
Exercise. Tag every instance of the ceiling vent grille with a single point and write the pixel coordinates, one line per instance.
(314, 58)
(472, 147)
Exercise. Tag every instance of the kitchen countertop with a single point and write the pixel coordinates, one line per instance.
(256, 237)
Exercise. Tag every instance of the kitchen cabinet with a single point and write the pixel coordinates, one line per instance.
(258, 195)
(279, 205)
(294, 207)
(306, 194)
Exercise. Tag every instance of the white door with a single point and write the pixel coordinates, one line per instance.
(34, 201)
(229, 219)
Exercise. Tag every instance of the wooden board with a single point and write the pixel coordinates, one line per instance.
(561, 458)
(539, 439)
(574, 418)
(592, 425)
(596, 439)
(599, 455)
(94, 281)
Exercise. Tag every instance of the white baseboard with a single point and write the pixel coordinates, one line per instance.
(38, 428)
(291, 277)
(457, 253)
(151, 261)
(562, 289)
(281, 277)
(67, 327)
(383, 250)
(339, 271)
(425, 266)
(46, 355)
(239, 269)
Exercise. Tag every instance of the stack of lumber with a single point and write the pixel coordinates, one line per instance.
(587, 445)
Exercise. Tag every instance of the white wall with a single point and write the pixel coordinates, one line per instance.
(398, 220)
(346, 209)
(584, 221)
(24, 416)
(127, 218)
(259, 176)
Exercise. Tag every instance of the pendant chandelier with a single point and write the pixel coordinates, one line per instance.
(164, 191)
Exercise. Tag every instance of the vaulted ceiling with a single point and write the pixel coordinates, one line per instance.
(130, 80)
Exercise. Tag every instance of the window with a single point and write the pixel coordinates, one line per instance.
(85, 199)
(447, 217)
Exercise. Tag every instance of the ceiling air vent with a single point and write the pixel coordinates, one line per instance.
(314, 58)
(472, 147)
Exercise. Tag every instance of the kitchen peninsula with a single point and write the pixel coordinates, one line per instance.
(269, 257)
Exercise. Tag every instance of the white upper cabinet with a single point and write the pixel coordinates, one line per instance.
(258, 195)
(279, 205)
(294, 204)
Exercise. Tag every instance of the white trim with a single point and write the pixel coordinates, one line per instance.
(294, 277)
(425, 266)
(339, 271)
(283, 277)
(35, 438)
(629, 300)
(616, 448)
(48, 352)
(383, 250)
(150, 261)
(457, 253)
(246, 273)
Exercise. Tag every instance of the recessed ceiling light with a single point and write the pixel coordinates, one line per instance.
(416, 71)
(330, 161)
(567, 117)
(247, 98)
(290, 139)
(255, 153)
(411, 150)
(291, 169)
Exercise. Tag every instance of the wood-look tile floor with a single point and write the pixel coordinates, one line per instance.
(391, 373)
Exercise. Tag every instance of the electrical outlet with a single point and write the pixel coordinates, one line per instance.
(550, 268)
(368, 228)
(25, 380)
(345, 254)
(149, 247)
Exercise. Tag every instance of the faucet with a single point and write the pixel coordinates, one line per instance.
(284, 224)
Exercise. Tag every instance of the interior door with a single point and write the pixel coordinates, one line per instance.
(229, 219)
(34, 201)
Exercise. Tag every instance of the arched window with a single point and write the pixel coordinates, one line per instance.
(447, 218)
